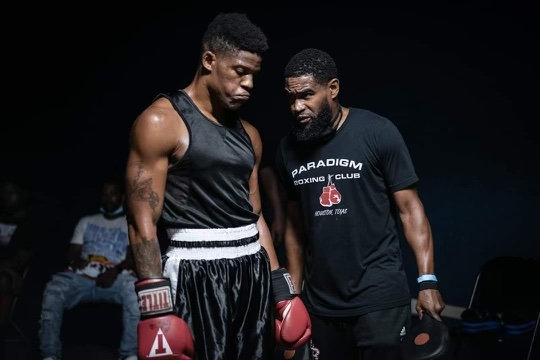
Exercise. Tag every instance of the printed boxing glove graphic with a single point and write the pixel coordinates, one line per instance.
(324, 199)
(330, 195)
(335, 196)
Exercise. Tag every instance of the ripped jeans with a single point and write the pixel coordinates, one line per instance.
(67, 289)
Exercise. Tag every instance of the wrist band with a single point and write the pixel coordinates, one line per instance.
(426, 277)
(424, 285)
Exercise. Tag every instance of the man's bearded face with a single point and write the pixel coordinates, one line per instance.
(318, 128)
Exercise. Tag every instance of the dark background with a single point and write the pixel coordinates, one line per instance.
(459, 81)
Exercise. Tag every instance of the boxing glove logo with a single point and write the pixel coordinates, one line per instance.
(160, 347)
(155, 301)
(330, 195)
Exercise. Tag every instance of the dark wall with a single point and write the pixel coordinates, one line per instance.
(455, 80)
(455, 83)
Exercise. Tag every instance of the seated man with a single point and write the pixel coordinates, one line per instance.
(100, 270)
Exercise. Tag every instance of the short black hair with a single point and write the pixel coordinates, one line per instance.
(114, 180)
(313, 62)
(230, 33)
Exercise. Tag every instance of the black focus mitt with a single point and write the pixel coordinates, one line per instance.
(426, 340)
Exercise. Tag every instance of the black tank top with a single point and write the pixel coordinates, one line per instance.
(209, 186)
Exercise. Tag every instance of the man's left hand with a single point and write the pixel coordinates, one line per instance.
(431, 302)
(106, 279)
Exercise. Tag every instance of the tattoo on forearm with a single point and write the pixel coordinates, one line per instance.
(141, 190)
(147, 256)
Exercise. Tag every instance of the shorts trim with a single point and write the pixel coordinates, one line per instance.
(213, 234)
(214, 253)
(213, 244)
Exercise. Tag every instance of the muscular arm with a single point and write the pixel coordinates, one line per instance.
(419, 237)
(294, 244)
(152, 142)
(264, 233)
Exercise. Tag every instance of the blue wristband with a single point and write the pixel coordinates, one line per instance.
(426, 277)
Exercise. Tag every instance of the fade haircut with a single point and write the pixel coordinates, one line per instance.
(312, 62)
(230, 33)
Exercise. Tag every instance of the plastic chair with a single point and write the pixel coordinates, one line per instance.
(505, 301)
(12, 323)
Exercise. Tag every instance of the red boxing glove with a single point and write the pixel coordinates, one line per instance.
(293, 325)
(161, 334)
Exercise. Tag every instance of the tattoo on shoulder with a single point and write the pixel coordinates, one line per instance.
(141, 190)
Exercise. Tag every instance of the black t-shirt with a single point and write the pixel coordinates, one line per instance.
(353, 259)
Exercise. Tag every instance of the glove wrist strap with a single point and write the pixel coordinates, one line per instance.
(154, 297)
(282, 285)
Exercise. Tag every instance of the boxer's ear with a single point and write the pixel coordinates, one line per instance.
(207, 60)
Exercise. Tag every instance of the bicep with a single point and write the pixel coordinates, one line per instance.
(146, 169)
(145, 184)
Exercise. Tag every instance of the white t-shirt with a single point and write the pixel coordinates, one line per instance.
(6, 232)
(104, 242)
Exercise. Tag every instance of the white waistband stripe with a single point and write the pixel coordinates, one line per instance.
(213, 253)
(225, 234)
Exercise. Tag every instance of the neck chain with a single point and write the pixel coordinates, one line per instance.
(337, 119)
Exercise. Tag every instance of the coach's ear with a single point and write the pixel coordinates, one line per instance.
(333, 86)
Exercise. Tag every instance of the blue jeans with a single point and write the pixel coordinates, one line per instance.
(67, 289)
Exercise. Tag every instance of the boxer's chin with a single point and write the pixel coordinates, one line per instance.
(236, 103)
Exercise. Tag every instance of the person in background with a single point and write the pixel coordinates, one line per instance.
(350, 181)
(18, 240)
(100, 270)
(193, 163)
